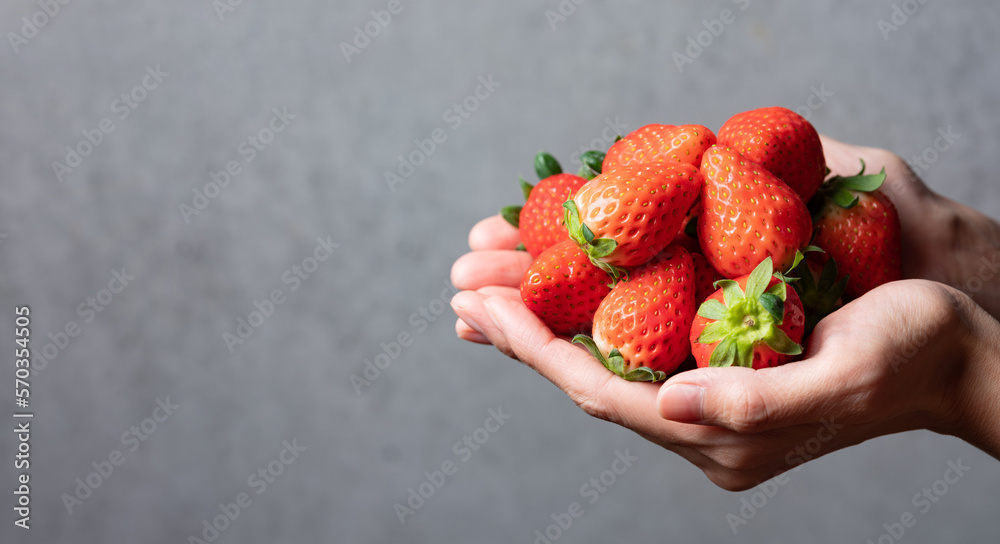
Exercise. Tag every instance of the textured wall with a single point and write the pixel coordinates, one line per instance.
(556, 85)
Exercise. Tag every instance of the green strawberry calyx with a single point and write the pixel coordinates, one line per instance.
(545, 166)
(747, 320)
(843, 190)
(820, 296)
(615, 362)
(591, 164)
(597, 249)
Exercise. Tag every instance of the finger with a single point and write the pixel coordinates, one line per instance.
(493, 233)
(467, 333)
(750, 401)
(599, 392)
(468, 305)
(490, 267)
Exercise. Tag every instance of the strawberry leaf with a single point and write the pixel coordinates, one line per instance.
(844, 198)
(588, 234)
(520, 247)
(865, 184)
(645, 374)
(546, 165)
(774, 306)
(712, 309)
(744, 353)
(781, 343)
(571, 218)
(525, 188)
(731, 292)
(593, 162)
(615, 362)
(724, 353)
(779, 290)
(601, 247)
(512, 214)
(759, 278)
(713, 333)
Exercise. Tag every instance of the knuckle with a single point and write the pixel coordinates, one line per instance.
(748, 412)
(596, 403)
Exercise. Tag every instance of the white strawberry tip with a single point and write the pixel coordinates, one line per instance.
(615, 362)
(747, 320)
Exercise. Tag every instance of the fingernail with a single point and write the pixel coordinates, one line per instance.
(682, 402)
(468, 320)
(472, 323)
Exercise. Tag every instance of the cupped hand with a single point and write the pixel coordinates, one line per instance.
(908, 355)
(943, 240)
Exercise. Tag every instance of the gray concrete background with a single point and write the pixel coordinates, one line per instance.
(162, 336)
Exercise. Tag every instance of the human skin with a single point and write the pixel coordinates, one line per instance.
(913, 354)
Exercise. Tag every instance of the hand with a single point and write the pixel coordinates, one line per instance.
(913, 354)
(943, 240)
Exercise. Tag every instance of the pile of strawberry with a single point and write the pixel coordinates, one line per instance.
(676, 242)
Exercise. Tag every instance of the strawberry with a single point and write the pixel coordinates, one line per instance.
(660, 143)
(705, 275)
(754, 321)
(564, 288)
(858, 227)
(625, 217)
(540, 220)
(747, 215)
(781, 141)
(641, 327)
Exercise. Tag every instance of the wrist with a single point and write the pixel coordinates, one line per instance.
(976, 414)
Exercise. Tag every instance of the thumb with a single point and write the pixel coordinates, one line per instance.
(749, 401)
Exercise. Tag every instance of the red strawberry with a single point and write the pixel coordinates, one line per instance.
(705, 275)
(564, 288)
(541, 220)
(754, 321)
(858, 227)
(748, 215)
(641, 328)
(781, 141)
(625, 217)
(660, 143)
